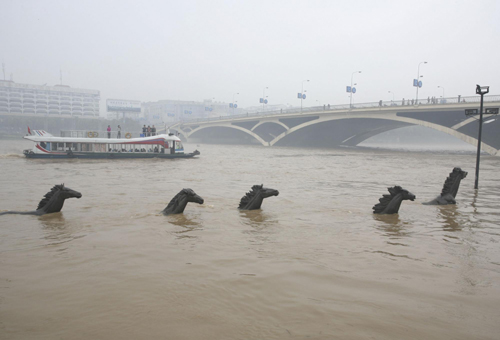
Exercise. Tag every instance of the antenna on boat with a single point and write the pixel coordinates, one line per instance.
(167, 130)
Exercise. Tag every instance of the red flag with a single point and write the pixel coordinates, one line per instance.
(29, 131)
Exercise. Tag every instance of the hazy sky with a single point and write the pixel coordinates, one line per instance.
(195, 50)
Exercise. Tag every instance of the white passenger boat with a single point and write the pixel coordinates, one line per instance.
(159, 146)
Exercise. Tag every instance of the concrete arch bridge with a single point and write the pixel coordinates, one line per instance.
(319, 127)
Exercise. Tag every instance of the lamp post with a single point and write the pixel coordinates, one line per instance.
(302, 94)
(442, 88)
(392, 95)
(234, 94)
(351, 89)
(264, 97)
(481, 90)
(418, 84)
(211, 107)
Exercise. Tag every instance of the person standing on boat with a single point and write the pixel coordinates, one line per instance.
(153, 131)
(144, 130)
(109, 131)
(119, 133)
(149, 130)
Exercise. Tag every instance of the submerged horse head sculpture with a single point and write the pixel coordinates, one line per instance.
(389, 204)
(179, 202)
(253, 199)
(52, 202)
(450, 188)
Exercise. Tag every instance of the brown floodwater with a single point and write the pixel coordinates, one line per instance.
(313, 263)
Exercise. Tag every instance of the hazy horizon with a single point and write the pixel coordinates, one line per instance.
(196, 50)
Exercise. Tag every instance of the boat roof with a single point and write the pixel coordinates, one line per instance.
(140, 140)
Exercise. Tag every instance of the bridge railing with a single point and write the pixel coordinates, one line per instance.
(380, 104)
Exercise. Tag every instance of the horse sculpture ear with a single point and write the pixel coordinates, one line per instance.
(394, 190)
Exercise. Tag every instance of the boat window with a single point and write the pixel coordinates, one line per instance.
(101, 147)
(60, 146)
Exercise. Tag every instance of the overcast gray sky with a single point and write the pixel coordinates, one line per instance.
(194, 50)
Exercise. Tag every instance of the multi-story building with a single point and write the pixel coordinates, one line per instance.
(40, 100)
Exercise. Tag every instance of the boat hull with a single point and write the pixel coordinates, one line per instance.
(109, 155)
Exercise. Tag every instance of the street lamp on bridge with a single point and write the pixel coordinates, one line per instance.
(417, 82)
(263, 100)
(442, 88)
(233, 104)
(302, 95)
(351, 89)
(392, 95)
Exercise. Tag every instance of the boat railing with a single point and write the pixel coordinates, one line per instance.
(101, 134)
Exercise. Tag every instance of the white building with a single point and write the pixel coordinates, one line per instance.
(40, 100)
(123, 108)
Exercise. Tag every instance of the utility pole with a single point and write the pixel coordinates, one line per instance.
(481, 90)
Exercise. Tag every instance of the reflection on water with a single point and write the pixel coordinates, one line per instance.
(187, 226)
(448, 215)
(261, 233)
(57, 230)
(392, 225)
(257, 219)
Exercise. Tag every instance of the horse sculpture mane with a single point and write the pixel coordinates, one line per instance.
(249, 195)
(389, 204)
(46, 198)
(178, 203)
(253, 199)
(450, 185)
(52, 201)
(450, 188)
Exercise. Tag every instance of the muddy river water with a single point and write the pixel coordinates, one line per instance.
(313, 263)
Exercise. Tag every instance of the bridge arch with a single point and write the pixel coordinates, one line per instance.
(356, 139)
(236, 127)
(270, 122)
